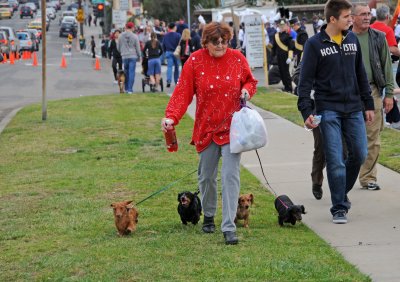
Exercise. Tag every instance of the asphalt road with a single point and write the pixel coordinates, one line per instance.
(21, 83)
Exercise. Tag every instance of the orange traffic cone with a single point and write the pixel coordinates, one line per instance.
(24, 55)
(63, 62)
(97, 65)
(35, 62)
(5, 58)
(17, 56)
(12, 58)
(29, 54)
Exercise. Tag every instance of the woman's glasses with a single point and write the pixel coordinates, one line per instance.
(217, 42)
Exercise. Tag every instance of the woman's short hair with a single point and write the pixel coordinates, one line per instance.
(214, 30)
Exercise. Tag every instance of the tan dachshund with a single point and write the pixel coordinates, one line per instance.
(243, 210)
(126, 217)
(121, 81)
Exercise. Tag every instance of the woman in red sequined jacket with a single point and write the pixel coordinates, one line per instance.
(218, 77)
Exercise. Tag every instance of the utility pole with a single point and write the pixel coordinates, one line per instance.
(188, 12)
(44, 100)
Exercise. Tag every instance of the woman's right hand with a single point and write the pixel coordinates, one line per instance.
(166, 124)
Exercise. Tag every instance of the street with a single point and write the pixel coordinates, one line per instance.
(21, 83)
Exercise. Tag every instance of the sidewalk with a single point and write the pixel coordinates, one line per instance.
(371, 238)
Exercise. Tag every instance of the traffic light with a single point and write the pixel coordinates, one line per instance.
(100, 10)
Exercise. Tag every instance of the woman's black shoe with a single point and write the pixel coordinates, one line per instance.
(231, 238)
(208, 225)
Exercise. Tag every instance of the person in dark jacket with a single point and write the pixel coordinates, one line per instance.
(153, 50)
(300, 40)
(333, 67)
(170, 42)
(282, 48)
(116, 56)
(196, 41)
(93, 46)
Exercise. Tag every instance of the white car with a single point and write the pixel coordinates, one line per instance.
(51, 13)
(67, 14)
(25, 40)
(12, 37)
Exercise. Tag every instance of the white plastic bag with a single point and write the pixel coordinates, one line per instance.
(248, 131)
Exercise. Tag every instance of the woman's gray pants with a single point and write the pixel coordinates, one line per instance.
(230, 177)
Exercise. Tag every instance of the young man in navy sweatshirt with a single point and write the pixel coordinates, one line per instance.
(333, 67)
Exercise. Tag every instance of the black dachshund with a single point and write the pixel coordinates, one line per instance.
(189, 207)
(288, 212)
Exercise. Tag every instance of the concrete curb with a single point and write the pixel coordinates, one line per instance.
(4, 122)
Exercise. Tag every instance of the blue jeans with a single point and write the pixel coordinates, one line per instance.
(129, 68)
(342, 173)
(172, 62)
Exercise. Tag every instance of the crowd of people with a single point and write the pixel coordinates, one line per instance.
(343, 77)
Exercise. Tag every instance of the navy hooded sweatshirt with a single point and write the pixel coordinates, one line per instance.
(337, 75)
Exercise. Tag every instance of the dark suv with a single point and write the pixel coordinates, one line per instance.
(25, 12)
(67, 28)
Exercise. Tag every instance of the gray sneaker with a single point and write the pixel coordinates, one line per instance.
(339, 217)
(372, 186)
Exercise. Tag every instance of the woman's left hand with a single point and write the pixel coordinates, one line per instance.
(245, 95)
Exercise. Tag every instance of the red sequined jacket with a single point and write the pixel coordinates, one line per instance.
(217, 84)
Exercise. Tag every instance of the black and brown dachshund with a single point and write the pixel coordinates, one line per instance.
(288, 212)
(189, 207)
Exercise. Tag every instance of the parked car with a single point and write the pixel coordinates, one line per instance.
(35, 40)
(25, 41)
(12, 37)
(37, 32)
(25, 11)
(5, 45)
(5, 13)
(67, 28)
(8, 6)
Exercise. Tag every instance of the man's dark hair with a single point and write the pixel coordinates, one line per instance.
(333, 8)
(171, 25)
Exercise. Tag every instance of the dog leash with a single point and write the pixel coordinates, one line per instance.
(266, 180)
(242, 104)
(165, 187)
(269, 185)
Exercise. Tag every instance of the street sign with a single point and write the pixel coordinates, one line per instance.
(119, 18)
(254, 40)
(94, 2)
(80, 16)
(124, 5)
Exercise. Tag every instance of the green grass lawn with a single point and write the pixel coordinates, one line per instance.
(59, 177)
(285, 105)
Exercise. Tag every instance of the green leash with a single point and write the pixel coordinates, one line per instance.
(165, 187)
